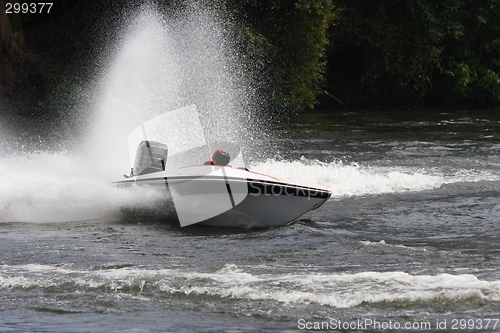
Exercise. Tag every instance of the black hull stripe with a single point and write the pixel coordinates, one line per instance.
(255, 186)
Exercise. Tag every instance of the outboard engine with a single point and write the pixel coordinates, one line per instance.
(150, 157)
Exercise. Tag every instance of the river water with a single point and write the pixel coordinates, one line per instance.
(410, 238)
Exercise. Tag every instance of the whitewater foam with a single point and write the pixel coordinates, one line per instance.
(354, 180)
(230, 281)
(56, 187)
(348, 180)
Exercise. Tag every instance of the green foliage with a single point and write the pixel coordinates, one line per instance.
(360, 52)
(409, 51)
(288, 40)
(470, 68)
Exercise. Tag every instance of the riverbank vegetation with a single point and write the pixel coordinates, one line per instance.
(305, 53)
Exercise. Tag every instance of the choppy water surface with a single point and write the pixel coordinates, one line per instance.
(410, 236)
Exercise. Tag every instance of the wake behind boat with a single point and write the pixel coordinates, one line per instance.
(214, 192)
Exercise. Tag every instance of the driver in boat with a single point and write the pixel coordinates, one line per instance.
(219, 157)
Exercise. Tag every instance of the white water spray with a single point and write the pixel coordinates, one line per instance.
(162, 65)
(159, 65)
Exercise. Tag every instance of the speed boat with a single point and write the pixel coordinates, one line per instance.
(217, 192)
(222, 195)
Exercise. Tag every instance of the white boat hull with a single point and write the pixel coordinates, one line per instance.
(263, 202)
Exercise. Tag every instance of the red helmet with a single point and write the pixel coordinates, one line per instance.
(221, 157)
